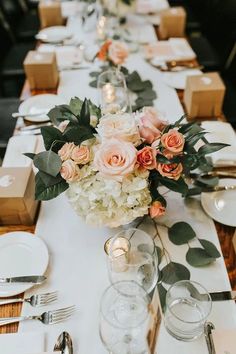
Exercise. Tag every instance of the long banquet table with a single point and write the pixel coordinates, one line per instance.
(77, 266)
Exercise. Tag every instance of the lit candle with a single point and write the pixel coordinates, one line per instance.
(118, 252)
(108, 92)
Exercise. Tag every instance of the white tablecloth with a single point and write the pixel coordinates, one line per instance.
(77, 259)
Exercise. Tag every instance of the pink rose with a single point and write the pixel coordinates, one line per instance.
(118, 52)
(66, 151)
(81, 155)
(115, 159)
(63, 125)
(173, 141)
(172, 171)
(69, 171)
(150, 125)
(156, 209)
(146, 158)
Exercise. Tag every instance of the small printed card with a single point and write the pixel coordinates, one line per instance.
(224, 341)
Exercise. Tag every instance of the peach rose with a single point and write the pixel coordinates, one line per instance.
(81, 155)
(63, 125)
(66, 151)
(118, 52)
(115, 159)
(146, 158)
(150, 125)
(156, 209)
(173, 141)
(172, 171)
(102, 54)
(69, 171)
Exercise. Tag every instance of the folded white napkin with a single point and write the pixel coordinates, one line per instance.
(151, 6)
(17, 146)
(22, 343)
(66, 55)
(221, 132)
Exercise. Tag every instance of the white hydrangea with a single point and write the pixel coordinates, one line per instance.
(105, 202)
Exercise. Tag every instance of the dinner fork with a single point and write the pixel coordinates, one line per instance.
(48, 317)
(34, 300)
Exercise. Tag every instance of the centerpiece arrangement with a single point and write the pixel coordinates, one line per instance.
(113, 166)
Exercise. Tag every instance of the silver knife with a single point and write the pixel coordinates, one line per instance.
(223, 295)
(35, 279)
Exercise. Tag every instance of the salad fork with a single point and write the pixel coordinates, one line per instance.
(48, 317)
(34, 300)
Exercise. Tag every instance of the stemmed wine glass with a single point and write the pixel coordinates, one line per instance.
(113, 93)
(124, 318)
(132, 256)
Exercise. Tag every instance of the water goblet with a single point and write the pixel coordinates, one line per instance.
(132, 256)
(112, 90)
(124, 318)
(188, 305)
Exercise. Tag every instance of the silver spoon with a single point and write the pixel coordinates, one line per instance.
(64, 344)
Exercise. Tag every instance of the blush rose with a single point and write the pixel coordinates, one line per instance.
(146, 158)
(173, 141)
(156, 209)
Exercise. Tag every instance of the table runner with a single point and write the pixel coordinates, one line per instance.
(77, 260)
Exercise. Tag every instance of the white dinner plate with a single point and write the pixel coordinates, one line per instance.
(39, 103)
(221, 206)
(177, 80)
(21, 253)
(54, 34)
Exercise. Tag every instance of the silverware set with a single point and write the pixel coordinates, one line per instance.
(200, 180)
(34, 300)
(174, 66)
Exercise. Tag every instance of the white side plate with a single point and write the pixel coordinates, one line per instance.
(21, 253)
(221, 206)
(39, 103)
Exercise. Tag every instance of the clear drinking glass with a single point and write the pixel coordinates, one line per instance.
(124, 318)
(132, 256)
(188, 304)
(112, 90)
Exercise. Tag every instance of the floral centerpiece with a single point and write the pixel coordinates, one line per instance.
(113, 166)
(113, 52)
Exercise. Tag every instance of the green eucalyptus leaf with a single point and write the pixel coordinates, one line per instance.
(50, 134)
(194, 191)
(43, 192)
(78, 134)
(48, 162)
(178, 186)
(93, 84)
(174, 272)
(159, 252)
(76, 105)
(162, 295)
(198, 257)
(211, 147)
(30, 155)
(181, 233)
(49, 180)
(84, 118)
(191, 141)
(94, 110)
(162, 159)
(210, 248)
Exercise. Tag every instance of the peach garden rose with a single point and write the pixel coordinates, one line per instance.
(81, 155)
(173, 141)
(172, 171)
(146, 158)
(150, 125)
(115, 159)
(156, 209)
(66, 151)
(118, 52)
(69, 171)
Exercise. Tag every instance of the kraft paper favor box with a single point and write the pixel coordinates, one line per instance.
(172, 23)
(50, 13)
(204, 95)
(17, 202)
(41, 70)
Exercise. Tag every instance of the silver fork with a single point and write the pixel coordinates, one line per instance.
(34, 300)
(48, 317)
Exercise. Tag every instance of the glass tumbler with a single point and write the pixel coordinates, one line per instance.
(113, 93)
(132, 256)
(188, 305)
(124, 317)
